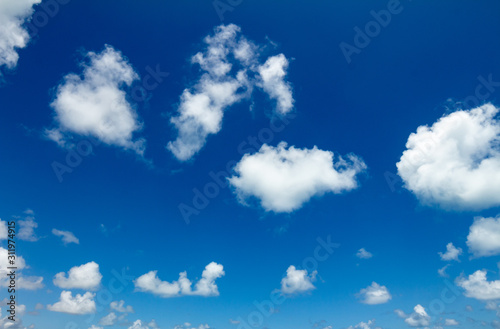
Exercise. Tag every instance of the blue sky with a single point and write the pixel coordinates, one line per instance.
(329, 209)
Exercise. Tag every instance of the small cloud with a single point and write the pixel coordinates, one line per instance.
(67, 237)
(374, 294)
(363, 254)
(297, 281)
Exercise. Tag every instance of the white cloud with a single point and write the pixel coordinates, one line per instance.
(138, 324)
(297, 281)
(27, 228)
(230, 70)
(272, 74)
(283, 179)
(95, 327)
(22, 281)
(188, 325)
(484, 237)
(119, 306)
(374, 294)
(451, 253)
(419, 318)
(4, 231)
(13, 36)
(478, 287)
(455, 163)
(451, 322)
(80, 304)
(96, 105)
(67, 237)
(442, 271)
(363, 254)
(206, 286)
(108, 320)
(29, 282)
(364, 325)
(86, 276)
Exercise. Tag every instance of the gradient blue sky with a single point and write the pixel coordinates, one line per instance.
(124, 208)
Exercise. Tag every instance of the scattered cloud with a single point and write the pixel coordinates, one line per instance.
(283, 179)
(120, 307)
(27, 227)
(80, 304)
(484, 237)
(477, 286)
(95, 104)
(230, 70)
(364, 325)
(363, 254)
(188, 325)
(138, 324)
(419, 317)
(4, 231)
(108, 320)
(297, 281)
(22, 281)
(13, 35)
(67, 237)
(442, 271)
(86, 276)
(374, 294)
(455, 163)
(451, 322)
(451, 253)
(206, 286)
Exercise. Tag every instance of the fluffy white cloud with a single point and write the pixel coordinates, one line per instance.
(364, 325)
(374, 294)
(96, 105)
(419, 317)
(3, 230)
(86, 276)
(455, 163)
(206, 286)
(297, 281)
(119, 306)
(138, 324)
(283, 179)
(80, 304)
(27, 227)
(22, 281)
(67, 237)
(108, 320)
(230, 71)
(363, 254)
(451, 322)
(478, 287)
(29, 282)
(272, 74)
(451, 253)
(188, 325)
(13, 36)
(484, 237)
